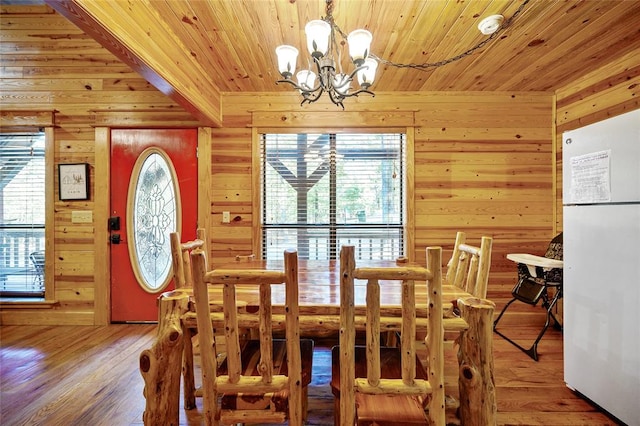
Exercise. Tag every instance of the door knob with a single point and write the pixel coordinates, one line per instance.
(115, 238)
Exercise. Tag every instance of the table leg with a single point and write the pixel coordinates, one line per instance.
(160, 365)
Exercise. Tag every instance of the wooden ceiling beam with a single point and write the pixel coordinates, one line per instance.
(130, 32)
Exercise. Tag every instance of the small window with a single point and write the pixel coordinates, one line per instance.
(155, 213)
(322, 191)
(22, 214)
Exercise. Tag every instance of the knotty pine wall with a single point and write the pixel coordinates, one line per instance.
(484, 163)
(48, 64)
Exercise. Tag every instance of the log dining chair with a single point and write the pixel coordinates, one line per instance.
(183, 280)
(181, 257)
(245, 257)
(468, 269)
(262, 381)
(37, 260)
(469, 266)
(363, 382)
(539, 278)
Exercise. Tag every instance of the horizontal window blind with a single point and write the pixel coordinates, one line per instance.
(321, 191)
(22, 214)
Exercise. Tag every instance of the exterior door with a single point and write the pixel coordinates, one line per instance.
(154, 187)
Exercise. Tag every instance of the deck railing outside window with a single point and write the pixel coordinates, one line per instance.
(22, 214)
(21, 261)
(315, 244)
(320, 191)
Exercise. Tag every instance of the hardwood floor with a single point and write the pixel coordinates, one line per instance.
(72, 375)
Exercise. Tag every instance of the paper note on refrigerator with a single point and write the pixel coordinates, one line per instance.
(591, 177)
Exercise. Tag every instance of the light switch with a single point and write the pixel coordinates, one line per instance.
(81, 216)
(226, 217)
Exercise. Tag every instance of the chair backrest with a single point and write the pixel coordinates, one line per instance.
(181, 256)
(469, 266)
(37, 258)
(245, 257)
(234, 381)
(431, 277)
(553, 275)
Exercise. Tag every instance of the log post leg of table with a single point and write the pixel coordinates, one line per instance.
(160, 365)
(475, 359)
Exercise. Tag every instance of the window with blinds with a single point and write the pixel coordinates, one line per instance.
(22, 214)
(322, 191)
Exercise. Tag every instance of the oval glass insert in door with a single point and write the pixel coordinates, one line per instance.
(154, 212)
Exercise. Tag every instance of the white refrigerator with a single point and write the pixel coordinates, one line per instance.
(601, 213)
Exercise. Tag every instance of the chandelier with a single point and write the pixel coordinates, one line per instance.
(329, 76)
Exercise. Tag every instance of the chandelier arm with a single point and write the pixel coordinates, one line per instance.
(311, 99)
(291, 82)
(297, 86)
(336, 99)
(354, 72)
(358, 92)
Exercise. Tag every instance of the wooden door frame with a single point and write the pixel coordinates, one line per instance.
(102, 206)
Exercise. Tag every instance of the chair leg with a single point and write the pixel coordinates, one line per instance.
(495, 323)
(533, 350)
(305, 403)
(188, 370)
(38, 281)
(556, 324)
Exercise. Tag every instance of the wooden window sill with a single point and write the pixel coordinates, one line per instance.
(23, 303)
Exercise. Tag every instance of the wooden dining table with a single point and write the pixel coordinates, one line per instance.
(319, 296)
(319, 304)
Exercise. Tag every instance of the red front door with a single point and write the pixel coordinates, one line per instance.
(146, 205)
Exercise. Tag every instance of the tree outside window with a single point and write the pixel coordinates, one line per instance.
(321, 191)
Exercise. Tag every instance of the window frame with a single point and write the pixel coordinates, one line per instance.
(408, 218)
(23, 195)
(30, 121)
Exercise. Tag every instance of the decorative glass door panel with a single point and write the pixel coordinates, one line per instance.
(154, 197)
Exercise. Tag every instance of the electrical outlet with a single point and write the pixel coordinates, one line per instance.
(81, 216)
(226, 217)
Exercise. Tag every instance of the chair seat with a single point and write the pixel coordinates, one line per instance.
(250, 353)
(528, 290)
(381, 410)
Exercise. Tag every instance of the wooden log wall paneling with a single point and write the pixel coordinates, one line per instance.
(232, 191)
(47, 63)
(484, 163)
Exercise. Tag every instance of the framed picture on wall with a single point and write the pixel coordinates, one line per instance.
(73, 181)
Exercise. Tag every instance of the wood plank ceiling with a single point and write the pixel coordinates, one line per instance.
(194, 50)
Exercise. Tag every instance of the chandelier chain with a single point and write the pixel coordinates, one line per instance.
(426, 66)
